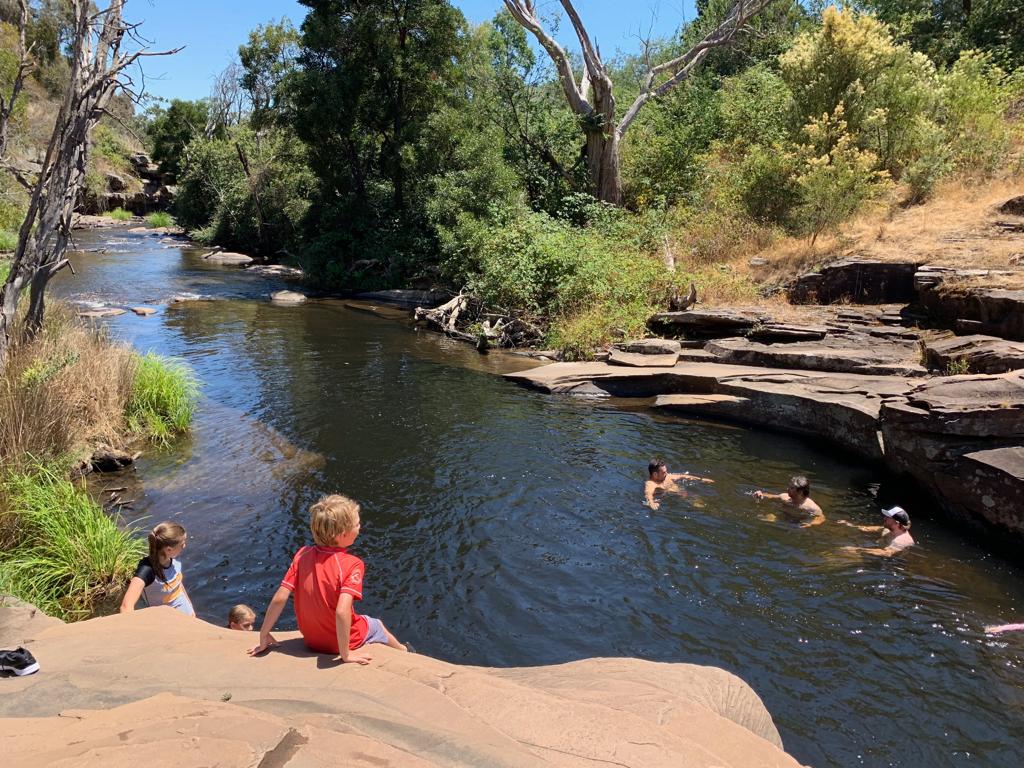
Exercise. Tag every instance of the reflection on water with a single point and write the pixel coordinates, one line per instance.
(502, 527)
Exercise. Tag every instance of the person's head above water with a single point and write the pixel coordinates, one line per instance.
(241, 617)
(799, 488)
(657, 470)
(896, 519)
(333, 516)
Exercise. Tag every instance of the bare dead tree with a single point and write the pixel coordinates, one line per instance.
(98, 64)
(592, 98)
(8, 100)
(227, 100)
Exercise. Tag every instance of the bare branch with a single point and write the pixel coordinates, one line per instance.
(682, 66)
(524, 12)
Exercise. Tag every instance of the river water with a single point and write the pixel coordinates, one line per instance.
(503, 527)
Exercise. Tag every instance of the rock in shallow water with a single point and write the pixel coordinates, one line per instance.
(288, 297)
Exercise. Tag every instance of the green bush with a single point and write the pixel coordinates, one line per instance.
(120, 214)
(67, 555)
(163, 397)
(159, 219)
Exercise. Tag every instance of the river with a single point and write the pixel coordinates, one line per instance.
(502, 527)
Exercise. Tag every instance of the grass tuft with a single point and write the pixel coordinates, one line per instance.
(159, 219)
(8, 242)
(68, 555)
(120, 214)
(162, 400)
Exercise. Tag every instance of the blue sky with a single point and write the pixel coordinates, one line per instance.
(212, 30)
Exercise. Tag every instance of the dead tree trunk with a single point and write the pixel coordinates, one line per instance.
(592, 98)
(97, 70)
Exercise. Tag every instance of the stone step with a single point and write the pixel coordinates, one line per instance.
(975, 354)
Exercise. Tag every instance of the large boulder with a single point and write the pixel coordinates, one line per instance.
(957, 300)
(198, 699)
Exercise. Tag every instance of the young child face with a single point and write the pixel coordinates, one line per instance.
(173, 552)
(244, 625)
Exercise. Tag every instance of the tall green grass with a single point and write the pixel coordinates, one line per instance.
(67, 555)
(119, 214)
(163, 398)
(159, 219)
(5, 269)
(8, 241)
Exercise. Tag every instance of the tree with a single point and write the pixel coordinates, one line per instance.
(592, 97)
(173, 128)
(267, 59)
(98, 65)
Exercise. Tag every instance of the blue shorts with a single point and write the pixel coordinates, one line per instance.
(374, 631)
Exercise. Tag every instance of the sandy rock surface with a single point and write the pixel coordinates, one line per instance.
(156, 688)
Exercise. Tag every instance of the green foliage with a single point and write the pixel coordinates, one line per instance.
(8, 242)
(267, 59)
(957, 366)
(163, 397)
(111, 147)
(172, 129)
(120, 214)
(159, 219)
(67, 554)
(217, 199)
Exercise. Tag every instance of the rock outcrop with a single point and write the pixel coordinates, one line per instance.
(157, 688)
(859, 281)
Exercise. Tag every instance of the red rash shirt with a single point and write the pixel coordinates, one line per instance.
(317, 578)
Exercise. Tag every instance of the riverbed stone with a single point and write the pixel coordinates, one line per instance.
(851, 354)
(229, 258)
(201, 700)
(773, 333)
(643, 359)
(978, 353)
(977, 309)
(144, 311)
(101, 312)
(288, 297)
(407, 298)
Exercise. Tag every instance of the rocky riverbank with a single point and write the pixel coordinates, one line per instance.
(163, 689)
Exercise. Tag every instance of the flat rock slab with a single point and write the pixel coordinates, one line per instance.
(409, 299)
(707, 322)
(782, 332)
(642, 360)
(276, 270)
(103, 312)
(144, 311)
(651, 347)
(979, 354)
(860, 281)
(851, 354)
(696, 402)
(229, 258)
(286, 708)
(288, 297)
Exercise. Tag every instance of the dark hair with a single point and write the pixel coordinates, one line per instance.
(802, 484)
(654, 465)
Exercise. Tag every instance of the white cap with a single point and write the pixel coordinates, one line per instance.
(899, 514)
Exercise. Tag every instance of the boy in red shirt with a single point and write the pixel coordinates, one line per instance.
(325, 580)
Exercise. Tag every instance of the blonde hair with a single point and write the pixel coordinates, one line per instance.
(240, 613)
(164, 535)
(332, 516)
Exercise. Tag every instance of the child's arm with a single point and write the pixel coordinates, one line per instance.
(865, 528)
(766, 495)
(277, 604)
(343, 625)
(132, 594)
(816, 520)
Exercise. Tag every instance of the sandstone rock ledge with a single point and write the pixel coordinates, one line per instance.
(155, 688)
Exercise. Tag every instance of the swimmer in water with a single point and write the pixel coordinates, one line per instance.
(995, 629)
(660, 479)
(895, 530)
(797, 505)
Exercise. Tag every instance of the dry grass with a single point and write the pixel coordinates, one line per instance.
(64, 392)
(956, 229)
